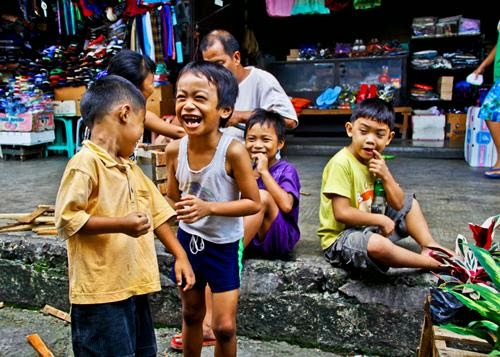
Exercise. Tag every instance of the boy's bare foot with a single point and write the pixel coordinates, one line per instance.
(426, 250)
(208, 333)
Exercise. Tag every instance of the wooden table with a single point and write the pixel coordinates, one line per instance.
(404, 111)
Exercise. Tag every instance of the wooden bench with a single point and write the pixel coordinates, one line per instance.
(403, 126)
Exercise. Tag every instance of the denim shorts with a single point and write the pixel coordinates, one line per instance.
(124, 328)
(350, 250)
(218, 265)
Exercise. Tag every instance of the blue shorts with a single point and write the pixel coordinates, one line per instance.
(218, 265)
(123, 328)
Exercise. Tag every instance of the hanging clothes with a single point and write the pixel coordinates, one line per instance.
(156, 30)
(148, 42)
(279, 8)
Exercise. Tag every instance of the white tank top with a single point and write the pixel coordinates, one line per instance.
(211, 184)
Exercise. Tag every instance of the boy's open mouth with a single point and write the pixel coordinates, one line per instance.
(192, 121)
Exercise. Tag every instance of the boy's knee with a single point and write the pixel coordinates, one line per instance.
(224, 330)
(379, 246)
(192, 315)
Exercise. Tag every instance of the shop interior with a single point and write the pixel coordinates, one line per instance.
(416, 55)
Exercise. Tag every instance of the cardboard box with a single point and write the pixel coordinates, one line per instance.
(29, 121)
(69, 93)
(163, 92)
(67, 107)
(456, 127)
(479, 150)
(161, 107)
(445, 87)
(428, 127)
(26, 138)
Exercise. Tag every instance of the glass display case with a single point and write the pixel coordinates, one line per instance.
(309, 78)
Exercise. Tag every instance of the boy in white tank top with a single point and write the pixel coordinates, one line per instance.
(211, 182)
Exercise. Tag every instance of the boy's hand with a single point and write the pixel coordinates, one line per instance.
(261, 162)
(386, 225)
(184, 275)
(190, 209)
(378, 166)
(136, 224)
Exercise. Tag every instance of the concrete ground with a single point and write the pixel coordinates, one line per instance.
(451, 194)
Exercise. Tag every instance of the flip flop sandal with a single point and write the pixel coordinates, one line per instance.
(493, 173)
(176, 342)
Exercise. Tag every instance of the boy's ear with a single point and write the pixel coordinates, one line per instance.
(391, 135)
(123, 112)
(281, 143)
(348, 129)
(225, 112)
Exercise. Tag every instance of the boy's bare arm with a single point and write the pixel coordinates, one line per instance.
(353, 217)
(172, 151)
(394, 193)
(183, 272)
(134, 224)
(284, 200)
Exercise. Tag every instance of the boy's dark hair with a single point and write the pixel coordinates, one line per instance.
(227, 40)
(269, 118)
(376, 109)
(132, 66)
(220, 77)
(105, 93)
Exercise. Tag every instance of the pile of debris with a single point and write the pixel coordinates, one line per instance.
(40, 221)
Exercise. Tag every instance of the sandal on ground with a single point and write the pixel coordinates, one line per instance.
(176, 342)
(493, 173)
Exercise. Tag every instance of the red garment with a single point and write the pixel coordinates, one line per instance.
(133, 9)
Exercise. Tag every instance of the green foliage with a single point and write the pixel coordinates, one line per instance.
(479, 295)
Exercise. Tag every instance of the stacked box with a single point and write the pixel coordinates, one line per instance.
(456, 126)
(29, 121)
(67, 100)
(428, 127)
(479, 150)
(445, 87)
(162, 101)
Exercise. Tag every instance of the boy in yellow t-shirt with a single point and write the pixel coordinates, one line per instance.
(351, 236)
(108, 212)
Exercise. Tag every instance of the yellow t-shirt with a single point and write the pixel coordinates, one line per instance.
(108, 267)
(345, 176)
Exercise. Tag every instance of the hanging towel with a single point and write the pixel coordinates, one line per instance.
(149, 49)
(279, 8)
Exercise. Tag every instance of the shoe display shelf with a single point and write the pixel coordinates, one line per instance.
(435, 85)
(311, 78)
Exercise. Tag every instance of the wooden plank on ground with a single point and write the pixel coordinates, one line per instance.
(50, 310)
(17, 228)
(36, 213)
(39, 346)
(45, 230)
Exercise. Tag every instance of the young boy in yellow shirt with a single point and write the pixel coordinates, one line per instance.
(108, 212)
(351, 235)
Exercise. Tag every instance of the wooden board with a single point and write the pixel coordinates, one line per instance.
(50, 310)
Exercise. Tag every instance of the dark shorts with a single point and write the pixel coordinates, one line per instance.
(124, 328)
(218, 265)
(278, 242)
(350, 250)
